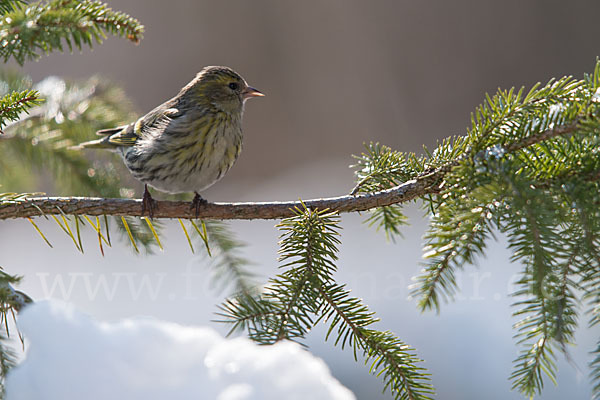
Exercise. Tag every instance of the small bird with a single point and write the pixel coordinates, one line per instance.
(187, 143)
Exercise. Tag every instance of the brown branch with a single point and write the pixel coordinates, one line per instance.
(410, 190)
(17, 104)
(31, 207)
(12, 107)
(547, 134)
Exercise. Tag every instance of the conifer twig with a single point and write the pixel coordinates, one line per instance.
(407, 191)
(30, 207)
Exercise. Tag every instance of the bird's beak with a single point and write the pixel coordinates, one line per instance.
(251, 92)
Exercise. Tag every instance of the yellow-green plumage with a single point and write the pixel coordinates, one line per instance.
(189, 142)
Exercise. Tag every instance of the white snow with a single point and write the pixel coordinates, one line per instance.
(72, 356)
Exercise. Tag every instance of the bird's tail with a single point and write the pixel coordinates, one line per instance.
(104, 143)
(94, 144)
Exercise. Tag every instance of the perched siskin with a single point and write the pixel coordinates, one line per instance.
(189, 142)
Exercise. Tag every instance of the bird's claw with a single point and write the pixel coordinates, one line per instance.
(198, 202)
(148, 203)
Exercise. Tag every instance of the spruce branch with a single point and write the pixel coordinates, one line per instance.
(422, 185)
(10, 298)
(31, 207)
(467, 218)
(306, 293)
(11, 301)
(588, 268)
(13, 105)
(388, 356)
(29, 30)
(530, 171)
(307, 251)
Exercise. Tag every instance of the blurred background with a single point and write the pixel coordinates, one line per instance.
(336, 74)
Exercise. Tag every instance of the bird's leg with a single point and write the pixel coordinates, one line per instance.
(198, 202)
(148, 203)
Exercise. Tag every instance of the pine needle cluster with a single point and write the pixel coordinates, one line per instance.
(306, 293)
(29, 30)
(11, 301)
(528, 168)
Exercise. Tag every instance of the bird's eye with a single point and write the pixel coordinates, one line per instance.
(234, 86)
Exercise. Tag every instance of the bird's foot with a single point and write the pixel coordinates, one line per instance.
(148, 203)
(198, 202)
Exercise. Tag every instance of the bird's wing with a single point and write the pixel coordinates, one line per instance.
(111, 131)
(128, 135)
(125, 137)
